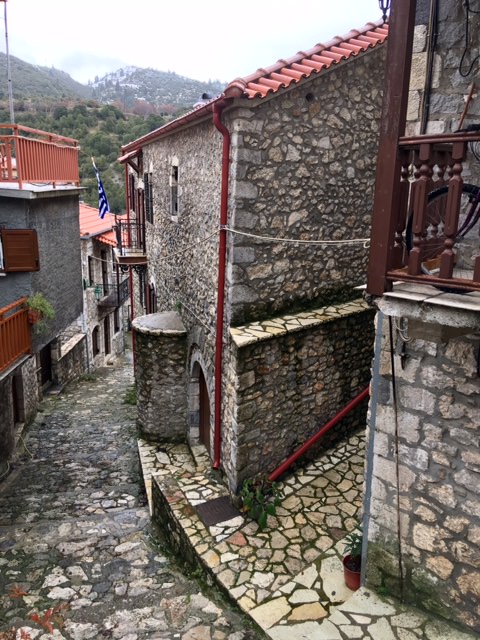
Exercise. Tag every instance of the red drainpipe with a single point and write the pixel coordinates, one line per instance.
(331, 423)
(222, 258)
(130, 274)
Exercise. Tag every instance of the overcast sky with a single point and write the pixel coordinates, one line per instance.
(204, 40)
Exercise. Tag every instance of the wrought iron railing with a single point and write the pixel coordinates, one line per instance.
(33, 156)
(111, 294)
(15, 333)
(130, 236)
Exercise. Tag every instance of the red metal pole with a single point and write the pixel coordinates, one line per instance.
(311, 441)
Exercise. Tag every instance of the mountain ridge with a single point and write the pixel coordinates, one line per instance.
(131, 88)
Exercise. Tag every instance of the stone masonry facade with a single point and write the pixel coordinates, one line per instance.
(434, 427)
(301, 168)
(423, 495)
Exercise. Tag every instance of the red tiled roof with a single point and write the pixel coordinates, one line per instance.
(305, 63)
(92, 225)
(279, 76)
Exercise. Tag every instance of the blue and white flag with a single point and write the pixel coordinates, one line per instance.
(103, 206)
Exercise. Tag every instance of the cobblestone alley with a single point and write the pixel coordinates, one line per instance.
(75, 532)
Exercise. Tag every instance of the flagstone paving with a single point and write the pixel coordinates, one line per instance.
(76, 533)
(288, 577)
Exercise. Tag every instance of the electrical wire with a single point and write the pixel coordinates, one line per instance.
(364, 241)
(466, 73)
(397, 456)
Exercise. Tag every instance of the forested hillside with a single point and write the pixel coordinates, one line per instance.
(101, 131)
(103, 116)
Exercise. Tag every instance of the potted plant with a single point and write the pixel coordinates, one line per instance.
(352, 560)
(39, 310)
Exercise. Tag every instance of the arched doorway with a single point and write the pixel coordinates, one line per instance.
(199, 408)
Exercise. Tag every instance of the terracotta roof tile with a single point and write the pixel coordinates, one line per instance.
(279, 76)
(321, 57)
(92, 225)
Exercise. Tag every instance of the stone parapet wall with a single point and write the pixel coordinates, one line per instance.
(286, 378)
(70, 361)
(435, 427)
(160, 374)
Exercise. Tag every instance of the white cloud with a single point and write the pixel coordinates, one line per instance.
(212, 39)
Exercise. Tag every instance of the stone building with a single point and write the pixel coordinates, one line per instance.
(247, 226)
(35, 213)
(423, 473)
(105, 289)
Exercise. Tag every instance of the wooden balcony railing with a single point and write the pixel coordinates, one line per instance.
(15, 333)
(32, 156)
(419, 237)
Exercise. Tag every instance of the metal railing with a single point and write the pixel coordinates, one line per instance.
(33, 156)
(15, 333)
(111, 294)
(130, 237)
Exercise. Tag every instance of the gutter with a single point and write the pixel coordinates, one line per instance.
(218, 108)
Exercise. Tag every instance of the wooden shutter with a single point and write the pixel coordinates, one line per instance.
(20, 249)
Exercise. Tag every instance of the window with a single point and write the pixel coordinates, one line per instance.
(148, 196)
(91, 272)
(174, 190)
(131, 192)
(95, 343)
(19, 248)
(116, 320)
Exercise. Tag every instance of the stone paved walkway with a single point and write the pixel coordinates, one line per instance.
(289, 577)
(75, 532)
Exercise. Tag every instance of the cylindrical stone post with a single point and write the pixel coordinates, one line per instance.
(160, 357)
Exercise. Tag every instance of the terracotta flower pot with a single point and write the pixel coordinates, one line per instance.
(34, 316)
(351, 572)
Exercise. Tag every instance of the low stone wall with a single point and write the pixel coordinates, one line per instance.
(286, 378)
(430, 528)
(71, 362)
(7, 440)
(160, 373)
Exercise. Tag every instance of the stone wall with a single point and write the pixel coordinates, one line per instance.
(160, 341)
(286, 378)
(435, 428)
(27, 400)
(304, 164)
(70, 360)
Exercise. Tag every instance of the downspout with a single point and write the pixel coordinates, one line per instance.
(222, 259)
(311, 441)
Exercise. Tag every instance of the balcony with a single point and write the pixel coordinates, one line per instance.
(424, 236)
(131, 249)
(32, 156)
(111, 295)
(15, 334)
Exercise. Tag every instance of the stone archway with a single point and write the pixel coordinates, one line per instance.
(199, 408)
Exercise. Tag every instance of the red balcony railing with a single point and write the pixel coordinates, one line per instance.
(32, 156)
(427, 244)
(15, 333)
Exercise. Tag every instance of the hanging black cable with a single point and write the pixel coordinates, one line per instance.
(462, 72)
(431, 47)
(397, 462)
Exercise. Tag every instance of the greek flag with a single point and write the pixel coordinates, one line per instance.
(103, 206)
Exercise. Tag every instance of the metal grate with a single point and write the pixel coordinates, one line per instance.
(215, 511)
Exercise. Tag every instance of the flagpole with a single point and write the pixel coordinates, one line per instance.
(9, 75)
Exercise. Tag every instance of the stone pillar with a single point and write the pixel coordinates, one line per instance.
(160, 373)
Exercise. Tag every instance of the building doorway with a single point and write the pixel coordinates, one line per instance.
(204, 413)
